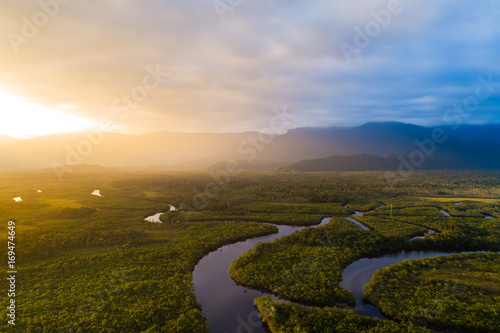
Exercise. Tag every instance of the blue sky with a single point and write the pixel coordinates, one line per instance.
(231, 63)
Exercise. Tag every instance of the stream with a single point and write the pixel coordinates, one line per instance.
(229, 308)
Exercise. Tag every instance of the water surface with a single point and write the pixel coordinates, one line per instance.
(96, 193)
(445, 213)
(359, 273)
(229, 307)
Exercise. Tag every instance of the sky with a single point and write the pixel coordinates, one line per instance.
(226, 65)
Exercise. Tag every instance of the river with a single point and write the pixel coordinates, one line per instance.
(229, 307)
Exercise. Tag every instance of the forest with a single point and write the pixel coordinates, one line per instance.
(92, 264)
(457, 291)
(288, 317)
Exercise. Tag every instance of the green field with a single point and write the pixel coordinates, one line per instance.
(92, 264)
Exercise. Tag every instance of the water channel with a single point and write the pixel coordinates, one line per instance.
(229, 307)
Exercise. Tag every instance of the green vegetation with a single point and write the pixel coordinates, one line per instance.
(92, 264)
(456, 200)
(325, 208)
(276, 218)
(123, 289)
(100, 267)
(286, 317)
(388, 227)
(363, 205)
(307, 266)
(63, 203)
(461, 292)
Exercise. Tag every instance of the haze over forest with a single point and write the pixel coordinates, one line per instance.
(373, 146)
(166, 166)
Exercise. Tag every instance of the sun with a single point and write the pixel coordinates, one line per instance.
(22, 119)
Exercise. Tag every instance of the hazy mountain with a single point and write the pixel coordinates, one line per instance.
(360, 162)
(467, 133)
(373, 146)
(377, 139)
(119, 150)
(391, 162)
(371, 138)
(468, 147)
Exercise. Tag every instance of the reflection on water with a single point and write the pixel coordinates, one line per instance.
(154, 218)
(361, 225)
(445, 213)
(96, 193)
(422, 237)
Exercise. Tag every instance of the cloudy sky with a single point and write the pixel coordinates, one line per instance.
(225, 65)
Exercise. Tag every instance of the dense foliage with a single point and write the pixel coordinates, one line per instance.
(307, 266)
(89, 264)
(459, 291)
(390, 227)
(286, 317)
(275, 218)
(128, 289)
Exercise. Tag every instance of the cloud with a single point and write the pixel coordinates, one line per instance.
(229, 75)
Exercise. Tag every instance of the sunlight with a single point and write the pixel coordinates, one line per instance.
(21, 119)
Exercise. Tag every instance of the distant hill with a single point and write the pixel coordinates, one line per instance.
(120, 150)
(372, 146)
(468, 133)
(371, 139)
(390, 162)
(364, 147)
(360, 162)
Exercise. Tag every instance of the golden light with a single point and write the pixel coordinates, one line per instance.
(21, 119)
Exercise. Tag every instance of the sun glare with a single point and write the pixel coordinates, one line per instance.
(21, 119)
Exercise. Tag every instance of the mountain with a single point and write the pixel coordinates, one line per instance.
(361, 162)
(378, 139)
(390, 162)
(371, 138)
(468, 147)
(467, 133)
(372, 146)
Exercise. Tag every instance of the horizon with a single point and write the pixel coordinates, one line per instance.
(245, 131)
(329, 64)
(164, 165)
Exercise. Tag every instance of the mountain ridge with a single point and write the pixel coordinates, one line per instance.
(471, 146)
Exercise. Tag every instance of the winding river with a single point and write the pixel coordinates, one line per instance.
(229, 307)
